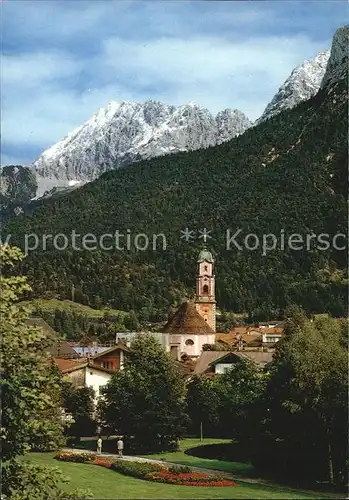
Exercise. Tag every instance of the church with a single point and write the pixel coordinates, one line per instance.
(194, 323)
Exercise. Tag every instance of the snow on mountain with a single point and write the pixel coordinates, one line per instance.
(303, 83)
(124, 132)
(338, 63)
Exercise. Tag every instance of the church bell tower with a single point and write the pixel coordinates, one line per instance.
(205, 301)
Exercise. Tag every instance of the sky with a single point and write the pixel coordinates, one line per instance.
(63, 60)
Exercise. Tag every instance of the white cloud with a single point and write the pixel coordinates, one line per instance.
(228, 74)
(31, 69)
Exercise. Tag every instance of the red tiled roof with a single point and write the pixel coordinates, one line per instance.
(67, 365)
(248, 334)
(245, 329)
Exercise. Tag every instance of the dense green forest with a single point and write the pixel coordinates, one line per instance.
(287, 174)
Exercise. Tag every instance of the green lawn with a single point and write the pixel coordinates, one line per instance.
(179, 457)
(104, 483)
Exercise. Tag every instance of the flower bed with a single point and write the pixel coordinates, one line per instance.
(189, 478)
(82, 458)
(150, 471)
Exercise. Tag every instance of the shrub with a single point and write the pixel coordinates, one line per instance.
(136, 469)
(231, 452)
(179, 469)
(23, 480)
(65, 456)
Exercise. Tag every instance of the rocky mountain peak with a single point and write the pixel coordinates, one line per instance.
(302, 84)
(338, 62)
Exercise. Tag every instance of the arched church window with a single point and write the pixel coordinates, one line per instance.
(189, 342)
(205, 289)
(205, 268)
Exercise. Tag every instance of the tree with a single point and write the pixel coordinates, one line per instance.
(240, 392)
(145, 402)
(29, 390)
(202, 405)
(79, 403)
(308, 399)
(131, 321)
(29, 386)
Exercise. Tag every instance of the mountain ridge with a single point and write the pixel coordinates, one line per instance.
(128, 131)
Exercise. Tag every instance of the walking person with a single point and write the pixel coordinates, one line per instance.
(99, 445)
(120, 446)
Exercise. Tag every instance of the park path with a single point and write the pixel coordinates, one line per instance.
(227, 475)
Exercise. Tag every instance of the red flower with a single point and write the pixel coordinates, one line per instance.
(103, 462)
(190, 479)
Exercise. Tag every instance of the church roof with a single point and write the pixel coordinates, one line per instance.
(186, 320)
(205, 256)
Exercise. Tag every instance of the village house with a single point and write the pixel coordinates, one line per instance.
(218, 362)
(250, 337)
(84, 374)
(111, 358)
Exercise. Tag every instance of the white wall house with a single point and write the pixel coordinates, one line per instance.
(96, 378)
(85, 375)
(271, 338)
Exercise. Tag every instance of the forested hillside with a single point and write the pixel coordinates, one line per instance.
(288, 174)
